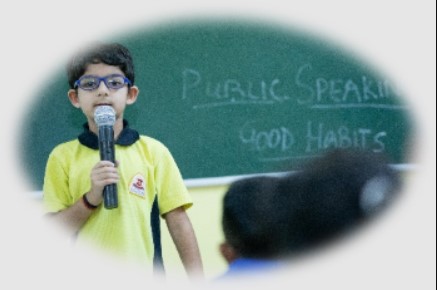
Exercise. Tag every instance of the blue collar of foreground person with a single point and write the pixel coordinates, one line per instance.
(127, 136)
(248, 267)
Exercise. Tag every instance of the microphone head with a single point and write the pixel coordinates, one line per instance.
(104, 116)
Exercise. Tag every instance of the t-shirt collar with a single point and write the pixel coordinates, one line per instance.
(127, 136)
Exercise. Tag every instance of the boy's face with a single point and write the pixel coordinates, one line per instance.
(88, 100)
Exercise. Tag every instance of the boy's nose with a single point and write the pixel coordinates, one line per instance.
(102, 89)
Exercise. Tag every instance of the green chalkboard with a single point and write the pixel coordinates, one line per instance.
(232, 98)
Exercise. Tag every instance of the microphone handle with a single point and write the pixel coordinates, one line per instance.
(107, 152)
(110, 198)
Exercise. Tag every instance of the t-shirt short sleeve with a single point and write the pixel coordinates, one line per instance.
(171, 190)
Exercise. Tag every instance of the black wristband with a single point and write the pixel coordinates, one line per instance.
(87, 204)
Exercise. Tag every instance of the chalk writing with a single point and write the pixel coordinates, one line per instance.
(274, 139)
(324, 93)
(281, 143)
(321, 137)
(307, 89)
(298, 134)
(206, 93)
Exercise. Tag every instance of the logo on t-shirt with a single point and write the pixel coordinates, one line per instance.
(138, 185)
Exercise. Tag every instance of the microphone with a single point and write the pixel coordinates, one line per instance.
(104, 116)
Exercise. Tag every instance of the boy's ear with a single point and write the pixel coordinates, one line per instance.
(228, 252)
(132, 95)
(72, 96)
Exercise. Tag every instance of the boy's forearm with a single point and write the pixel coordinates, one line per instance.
(184, 238)
(74, 216)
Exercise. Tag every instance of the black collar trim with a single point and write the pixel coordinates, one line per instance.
(127, 137)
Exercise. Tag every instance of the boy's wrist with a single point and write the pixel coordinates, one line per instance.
(89, 204)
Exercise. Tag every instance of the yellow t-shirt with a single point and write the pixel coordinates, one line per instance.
(146, 169)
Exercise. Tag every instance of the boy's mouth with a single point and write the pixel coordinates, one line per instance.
(105, 104)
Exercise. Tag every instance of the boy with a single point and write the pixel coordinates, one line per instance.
(75, 177)
(269, 220)
(252, 228)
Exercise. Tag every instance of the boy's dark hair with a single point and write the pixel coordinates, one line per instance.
(249, 220)
(111, 54)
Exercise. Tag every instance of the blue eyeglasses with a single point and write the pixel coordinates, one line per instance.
(91, 82)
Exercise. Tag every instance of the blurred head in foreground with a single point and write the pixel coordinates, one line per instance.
(270, 219)
(331, 195)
